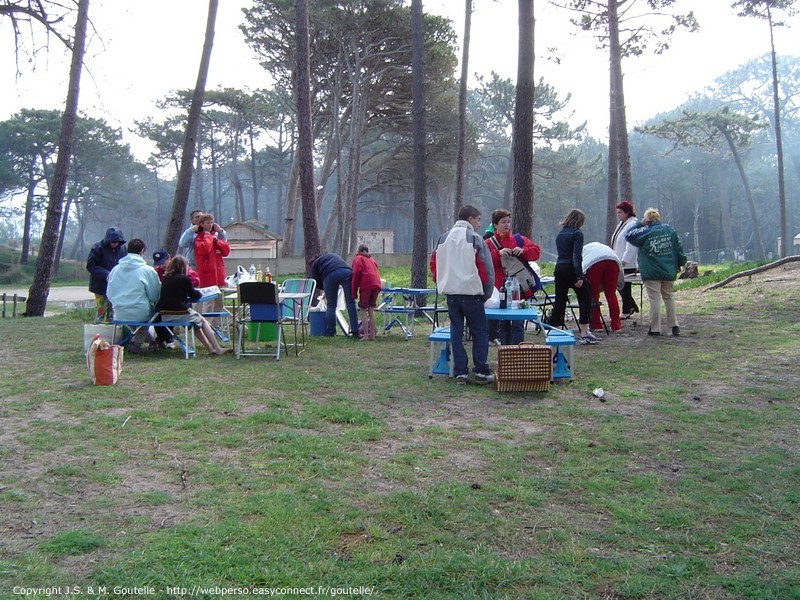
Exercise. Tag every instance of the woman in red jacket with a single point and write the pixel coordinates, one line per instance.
(209, 252)
(501, 243)
(366, 286)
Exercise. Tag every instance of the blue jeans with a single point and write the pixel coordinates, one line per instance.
(469, 308)
(340, 277)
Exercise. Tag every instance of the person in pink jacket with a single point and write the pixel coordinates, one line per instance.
(366, 286)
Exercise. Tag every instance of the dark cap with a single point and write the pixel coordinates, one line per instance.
(160, 257)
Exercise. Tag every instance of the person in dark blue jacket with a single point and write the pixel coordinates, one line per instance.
(569, 274)
(103, 257)
(331, 272)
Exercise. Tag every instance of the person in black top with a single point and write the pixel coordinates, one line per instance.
(569, 274)
(177, 296)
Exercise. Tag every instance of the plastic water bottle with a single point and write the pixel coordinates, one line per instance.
(513, 292)
(252, 272)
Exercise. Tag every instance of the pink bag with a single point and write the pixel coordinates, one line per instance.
(104, 361)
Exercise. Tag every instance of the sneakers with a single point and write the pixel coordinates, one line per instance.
(484, 378)
(653, 333)
(168, 345)
(495, 342)
(676, 331)
(462, 379)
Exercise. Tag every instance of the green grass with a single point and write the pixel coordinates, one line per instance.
(347, 466)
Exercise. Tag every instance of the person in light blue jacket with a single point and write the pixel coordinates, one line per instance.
(134, 290)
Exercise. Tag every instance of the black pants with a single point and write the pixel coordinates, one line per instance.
(626, 293)
(566, 279)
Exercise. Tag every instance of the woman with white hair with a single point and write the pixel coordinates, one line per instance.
(660, 258)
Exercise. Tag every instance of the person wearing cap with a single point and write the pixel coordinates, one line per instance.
(104, 256)
(161, 259)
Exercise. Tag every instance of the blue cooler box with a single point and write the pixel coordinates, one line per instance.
(316, 320)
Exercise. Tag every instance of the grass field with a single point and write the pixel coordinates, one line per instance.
(347, 470)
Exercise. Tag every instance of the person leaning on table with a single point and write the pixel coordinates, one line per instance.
(462, 268)
(660, 258)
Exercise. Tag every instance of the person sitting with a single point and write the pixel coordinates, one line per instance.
(104, 256)
(161, 258)
(134, 290)
(177, 295)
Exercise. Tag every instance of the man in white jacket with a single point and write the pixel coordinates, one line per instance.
(463, 271)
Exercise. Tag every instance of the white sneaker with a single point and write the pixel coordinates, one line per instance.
(495, 342)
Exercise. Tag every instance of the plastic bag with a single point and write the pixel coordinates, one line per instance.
(494, 301)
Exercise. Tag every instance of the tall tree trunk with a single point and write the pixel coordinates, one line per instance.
(40, 288)
(61, 234)
(785, 243)
(748, 193)
(462, 110)
(250, 136)
(181, 200)
(725, 207)
(419, 252)
(522, 144)
(616, 129)
(290, 219)
(26, 227)
(305, 140)
(198, 168)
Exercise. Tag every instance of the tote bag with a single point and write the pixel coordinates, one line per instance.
(104, 362)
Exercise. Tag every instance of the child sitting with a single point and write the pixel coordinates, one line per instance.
(177, 295)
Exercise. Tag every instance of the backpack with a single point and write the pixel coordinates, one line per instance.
(519, 269)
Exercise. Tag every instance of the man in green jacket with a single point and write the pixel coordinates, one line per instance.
(660, 259)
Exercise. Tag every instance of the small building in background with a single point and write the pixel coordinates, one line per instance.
(379, 241)
(252, 242)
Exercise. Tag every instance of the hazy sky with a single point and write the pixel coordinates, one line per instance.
(147, 48)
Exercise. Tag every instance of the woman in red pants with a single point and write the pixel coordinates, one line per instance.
(603, 271)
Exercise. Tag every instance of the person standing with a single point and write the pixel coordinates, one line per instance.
(186, 241)
(660, 259)
(366, 284)
(626, 253)
(603, 272)
(569, 274)
(503, 243)
(104, 256)
(331, 272)
(462, 268)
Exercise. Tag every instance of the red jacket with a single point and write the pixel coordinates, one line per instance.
(192, 274)
(530, 251)
(365, 273)
(209, 252)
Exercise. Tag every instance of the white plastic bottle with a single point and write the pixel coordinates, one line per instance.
(252, 272)
(513, 292)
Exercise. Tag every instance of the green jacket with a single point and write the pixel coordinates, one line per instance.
(660, 251)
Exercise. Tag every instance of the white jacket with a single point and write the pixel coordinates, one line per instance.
(456, 258)
(627, 253)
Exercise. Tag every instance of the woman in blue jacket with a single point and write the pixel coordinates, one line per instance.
(569, 274)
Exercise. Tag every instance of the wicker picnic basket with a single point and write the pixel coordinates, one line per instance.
(525, 367)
